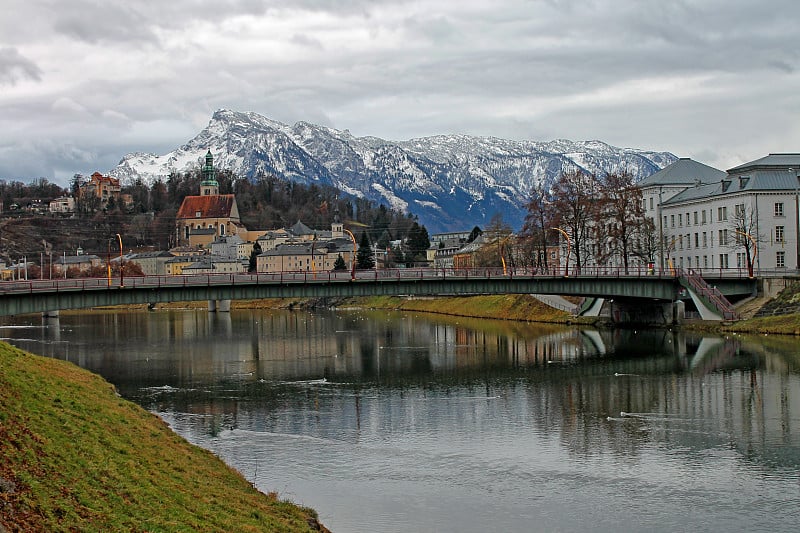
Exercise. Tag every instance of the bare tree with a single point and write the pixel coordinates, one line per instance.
(645, 241)
(623, 212)
(744, 224)
(574, 209)
(496, 236)
(534, 236)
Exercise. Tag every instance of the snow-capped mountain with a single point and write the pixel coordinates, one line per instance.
(451, 182)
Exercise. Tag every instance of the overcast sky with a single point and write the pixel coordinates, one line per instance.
(84, 82)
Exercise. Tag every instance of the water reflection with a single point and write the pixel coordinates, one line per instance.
(553, 419)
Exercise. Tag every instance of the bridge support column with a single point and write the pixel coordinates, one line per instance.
(219, 306)
(678, 312)
(632, 311)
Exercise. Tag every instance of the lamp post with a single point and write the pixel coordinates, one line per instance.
(796, 175)
(108, 262)
(660, 229)
(569, 248)
(353, 262)
(121, 270)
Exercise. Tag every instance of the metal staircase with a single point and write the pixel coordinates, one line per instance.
(710, 296)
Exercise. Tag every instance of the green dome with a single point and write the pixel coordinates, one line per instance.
(209, 175)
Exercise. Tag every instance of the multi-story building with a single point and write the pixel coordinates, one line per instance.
(746, 218)
(63, 205)
(104, 188)
(231, 246)
(664, 185)
(311, 256)
(210, 264)
(152, 263)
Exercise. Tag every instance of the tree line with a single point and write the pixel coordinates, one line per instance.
(603, 216)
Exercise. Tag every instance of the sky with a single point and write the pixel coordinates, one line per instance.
(85, 82)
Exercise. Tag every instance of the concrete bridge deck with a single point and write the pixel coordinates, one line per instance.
(34, 296)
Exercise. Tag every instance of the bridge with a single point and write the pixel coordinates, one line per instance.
(637, 294)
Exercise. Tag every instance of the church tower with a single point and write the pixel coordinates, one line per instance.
(209, 186)
(337, 228)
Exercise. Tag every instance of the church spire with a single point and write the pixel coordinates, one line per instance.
(209, 186)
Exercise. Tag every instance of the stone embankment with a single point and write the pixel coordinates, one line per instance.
(787, 302)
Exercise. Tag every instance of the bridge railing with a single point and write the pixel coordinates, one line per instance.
(308, 276)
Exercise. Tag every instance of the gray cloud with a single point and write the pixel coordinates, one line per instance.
(14, 66)
(88, 81)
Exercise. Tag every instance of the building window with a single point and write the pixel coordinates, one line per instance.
(738, 209)
(779, 234)
(705, 240)
(695, 218)
(722, 214)
(705, 261)
(651, 203)
(723, 237)
(688, 222)
(703, 216)
(723, 260)
(680, 242)
(680, 220)
(696, 240)
(672, 220)
(778, 209)
(741, 260)
(780, 259)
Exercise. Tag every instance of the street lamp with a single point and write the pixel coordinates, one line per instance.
(660, 228)
(796, 175)
(353, 262)
(121, 271)
(569, 248)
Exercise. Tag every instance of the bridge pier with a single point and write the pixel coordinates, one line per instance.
(50, 314)
(630, 311)
(219, 306)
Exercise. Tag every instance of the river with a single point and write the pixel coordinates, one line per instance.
(399, 422)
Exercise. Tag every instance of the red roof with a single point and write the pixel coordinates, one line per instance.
(211, 206)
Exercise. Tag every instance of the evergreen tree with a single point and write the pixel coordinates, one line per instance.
(418, 242)
(339, 264)
(364, 259)
(253, 257)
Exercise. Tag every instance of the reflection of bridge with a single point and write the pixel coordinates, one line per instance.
(630, 293)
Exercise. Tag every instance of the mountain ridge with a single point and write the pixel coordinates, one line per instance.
(451, 182)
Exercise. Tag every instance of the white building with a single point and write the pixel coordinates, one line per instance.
(707, 223)
(62, 204)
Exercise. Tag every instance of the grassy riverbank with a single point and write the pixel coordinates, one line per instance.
(74, 456)
(786, 321)
(498, 307)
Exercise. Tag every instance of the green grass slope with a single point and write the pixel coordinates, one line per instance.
(74, 456)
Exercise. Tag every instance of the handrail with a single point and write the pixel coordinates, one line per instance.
(711, 294)
(382, 275)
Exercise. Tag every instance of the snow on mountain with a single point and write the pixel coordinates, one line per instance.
(451, 182)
